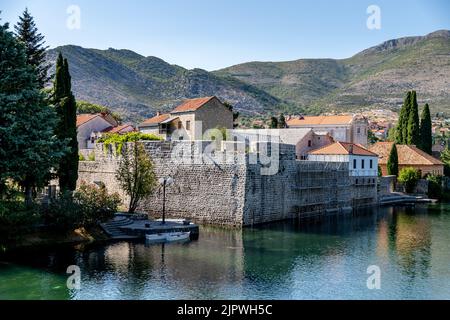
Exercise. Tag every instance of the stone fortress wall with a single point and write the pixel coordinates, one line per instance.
(235, 184)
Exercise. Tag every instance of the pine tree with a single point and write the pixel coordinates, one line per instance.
(66, 129)
(426, 138)
(413, 121)
(401, 129)
(28, 34)
(392, 163)
(282, 122)
(28, 148)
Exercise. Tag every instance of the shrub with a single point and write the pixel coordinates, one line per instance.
(81, 157)
(409, 178)
(97, 205)
(91, 156)
(119, 139)
(16, 219)
(434, 186)
(63, 213)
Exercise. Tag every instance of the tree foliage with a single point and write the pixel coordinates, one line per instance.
(409, 178)
(35, 49)
(28, 149)
(91, 108)
(413, 135)
(135, 173)
(426, 137)
(66, 128)
(392, 163)
(282, 122)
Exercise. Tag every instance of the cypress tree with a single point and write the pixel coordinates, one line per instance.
(413, 121)
(28, 34)
(66, 129)
(392, 163)
(273, 123)
(401, 129)
(426, 139)
(282, 122)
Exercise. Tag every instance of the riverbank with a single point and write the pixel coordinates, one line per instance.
(49, 239)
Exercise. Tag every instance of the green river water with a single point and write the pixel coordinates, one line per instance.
(288, 260)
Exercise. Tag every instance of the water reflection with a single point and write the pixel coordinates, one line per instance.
(289, 260)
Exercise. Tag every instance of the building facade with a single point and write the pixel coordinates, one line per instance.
(345, 128)
(190, 120)
(408, 156)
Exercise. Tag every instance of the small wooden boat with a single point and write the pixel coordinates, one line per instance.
(168, 237)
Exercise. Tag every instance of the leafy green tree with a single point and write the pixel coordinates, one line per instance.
(371, 138)
(402, 125)
(28, 148)
(426, 137)
(282, 122)
(413, 121)
(273, 123)
(28, 34)
(409, 178)
(445, 158)
(66, 129)
(87, 107)
(392, 163)
(135, 173)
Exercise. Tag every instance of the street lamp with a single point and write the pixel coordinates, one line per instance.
(166, 181)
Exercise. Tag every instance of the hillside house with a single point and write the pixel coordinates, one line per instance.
(344, 128)
(190, 120)
(408, 156)
(90, 127)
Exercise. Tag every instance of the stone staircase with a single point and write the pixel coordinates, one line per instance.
(112, 227)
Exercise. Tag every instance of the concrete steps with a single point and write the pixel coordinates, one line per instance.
(112, 228)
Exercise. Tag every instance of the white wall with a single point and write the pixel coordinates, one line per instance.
(84, 131)
(357, 171)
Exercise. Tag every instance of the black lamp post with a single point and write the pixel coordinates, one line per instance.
(166, 181)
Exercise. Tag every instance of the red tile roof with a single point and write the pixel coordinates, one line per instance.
(407, 154)
(320, 120)
(343, 148)
(119, 129)
(156, 119)
(85, 117)
(192, 104)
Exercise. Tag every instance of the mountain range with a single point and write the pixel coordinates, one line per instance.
(378, 77)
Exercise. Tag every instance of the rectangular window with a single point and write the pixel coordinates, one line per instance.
(371, 164)
(354, 163)
(180, 124)
(309, 143)
(188, 125)
(362, 164)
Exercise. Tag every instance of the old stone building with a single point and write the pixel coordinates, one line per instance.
(238, 186)
(345, 128)
(190, 120)
(408, 156)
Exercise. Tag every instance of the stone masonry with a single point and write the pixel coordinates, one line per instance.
(237, 186)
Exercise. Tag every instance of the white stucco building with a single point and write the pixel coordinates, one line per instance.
(361, 162)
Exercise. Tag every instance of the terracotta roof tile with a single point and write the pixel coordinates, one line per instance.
(192, 104)
(156, 119)
(118, 129)
(85, 117)
(339, 148)
(407, 154)
(320, 120)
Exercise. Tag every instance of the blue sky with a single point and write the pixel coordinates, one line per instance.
(213, 34)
